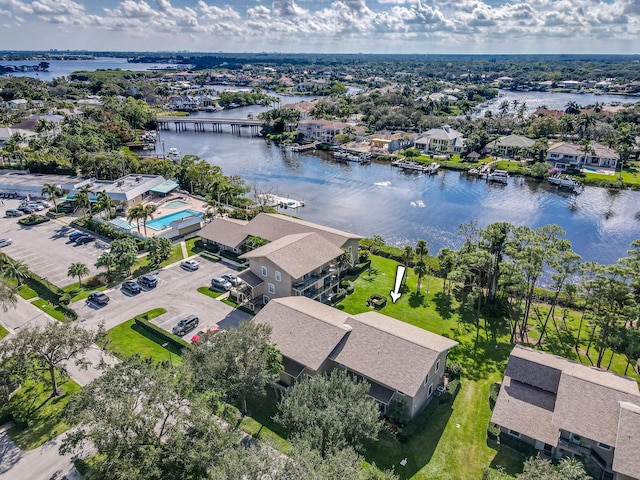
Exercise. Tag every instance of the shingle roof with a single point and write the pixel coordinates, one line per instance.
(627, 460)
(226, 231)
(444, 133)
(304, 330)
(297, 254)
(567, 148)
(517, 141)
(527, 410)
(534, 368)
(250, 278)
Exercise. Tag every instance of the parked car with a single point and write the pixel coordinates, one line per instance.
(5, 241)
(131, 287)
(219, 283)
(202, 331)
(36, 206)
(44, 203)
(13, 213)
(26, 209)
(73, 236)
(186, 325)
(148, 281)
(98, 297)
(232, 279)
(85, 239)
(190, 265)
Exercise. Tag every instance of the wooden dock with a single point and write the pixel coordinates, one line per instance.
(281, 202)
(414, 166)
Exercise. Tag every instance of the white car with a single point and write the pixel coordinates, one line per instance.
(190, 265)
(5, 241)
(35, 206)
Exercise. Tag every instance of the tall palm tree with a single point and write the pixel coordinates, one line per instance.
(407, 259)
(504, 108)
(83, 198)
(16, 270)
(135, 214)
(105, 203)
(147, 212)
(51, 191)
(422, 249)
(107, 260)
(421, 270)
(78, 269)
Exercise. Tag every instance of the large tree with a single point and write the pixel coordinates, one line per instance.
(540, 469)
(330, 412)
(159, 250)
(238, 362)
(49, 348)
(78, 269)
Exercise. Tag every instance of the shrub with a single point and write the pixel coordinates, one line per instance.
(494, 390)
(453, 387)
(454, 369)
(359, 268)
(33, 219)
(377, 301)
(93, 281)
(65, 299)
(163, 334)
(210, 256)
(493, 432)
(517, 444)
(363, 256)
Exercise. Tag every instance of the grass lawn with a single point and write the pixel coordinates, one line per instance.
(50, 309)
(260, 423)
(27, 292)
(3, 332)
(142, 265)
(210, 293)
(33, 404)
(129, 339)
(80, 293)
(191, 246)
(235, 305)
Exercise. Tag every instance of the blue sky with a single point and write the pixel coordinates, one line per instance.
(325, 26)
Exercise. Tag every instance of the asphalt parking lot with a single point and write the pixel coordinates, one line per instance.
(45, 248)
(176, 292)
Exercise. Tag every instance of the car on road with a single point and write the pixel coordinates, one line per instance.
(202, 331)
(13, 213)
(85, 239)
(5, 241)
(131, 287)
(219, 283)
(232, 279)
(149, 281)
(190, 264)
(186, 325)
(99, 298)
(73, 236)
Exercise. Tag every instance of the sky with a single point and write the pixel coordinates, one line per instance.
(324, 26)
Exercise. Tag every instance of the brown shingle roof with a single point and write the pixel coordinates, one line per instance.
(534, 368)
(627, 460)
(226, 231)
(297, 254)
(250, 278)
(567, 148)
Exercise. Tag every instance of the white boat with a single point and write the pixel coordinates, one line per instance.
(174, 154)
(432, 168)
(565, 182)
(499, 176)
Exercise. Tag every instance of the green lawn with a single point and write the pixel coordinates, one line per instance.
(27, 292)
(80, 293)
(142, 265)
(33, 404)
(128, 339)
(50, 309)
(260, 423)
(235, 305)
(210, 293)
(3, 332)
(191, 246)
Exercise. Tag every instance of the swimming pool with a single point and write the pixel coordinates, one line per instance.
(176, 204)
(163, 222)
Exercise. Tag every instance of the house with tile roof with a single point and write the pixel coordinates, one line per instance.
(567, 409)
(440, 140)
(566, 155)
(399, 361)
(509, 146)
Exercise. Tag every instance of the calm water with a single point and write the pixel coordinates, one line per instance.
(403, 208)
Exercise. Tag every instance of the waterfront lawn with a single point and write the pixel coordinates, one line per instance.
(3, 332)
(129, 339)
(33, 404)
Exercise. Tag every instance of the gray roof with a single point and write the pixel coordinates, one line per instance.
(392, 354)
(444, 133)
(125, 188)
(225, 231)
(304, 330)
(250, 278)
(514, 141)
(627, 460)
(527, 410)
(297, 254)
(567, 148)
(272, 226)
(534, 368)
(186, 222)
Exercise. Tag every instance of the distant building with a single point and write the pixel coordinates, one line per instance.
(321, 130)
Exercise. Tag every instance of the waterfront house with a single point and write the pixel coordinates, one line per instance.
(440, 140)
(510, 146)
(566, 155)
(400, 362)
(390, 142)
(183, 102)
(566, 409)
(321, 130)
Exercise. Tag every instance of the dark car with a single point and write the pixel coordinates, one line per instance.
(76, 235)
(13, 213)
(148, 281)
(98, 297)
(186, 325)
(26, 209)
(85, 239)
(131, 287)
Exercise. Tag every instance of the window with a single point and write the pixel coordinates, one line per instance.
(265, 299)
(263, 270)
(604, 446)
(426, 380)
(513, 433)
(438, 365)
(272, 288)
(278, 276)
(430, 390)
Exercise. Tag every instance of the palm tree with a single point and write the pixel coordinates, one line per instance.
(421, 249)
(407, 258)
(585, 122)
(135, 214)
(78, 269)
(107, 260)
(145, 213)
(16, 270)
(105, 203)
(567, 125)
(51, 191)
(420, 270)
(344, 261)
(504, 108)
(83, 197)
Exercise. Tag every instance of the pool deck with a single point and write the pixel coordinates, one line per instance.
(191, 203)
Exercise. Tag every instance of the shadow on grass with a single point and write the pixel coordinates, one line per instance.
(482, 359)
(156, 339)
(506, 459)
(417, 300)
(443, 305)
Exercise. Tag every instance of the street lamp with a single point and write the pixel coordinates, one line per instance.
(166, 345)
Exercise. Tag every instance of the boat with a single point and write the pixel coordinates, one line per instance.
(565, 181)
(432, 168)
(498, 176)
(174, 154)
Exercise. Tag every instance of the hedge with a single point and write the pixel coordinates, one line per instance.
(106, 230)
(163, 334)
(494, 390)
(231, 256)
(48, 291)
(453, 387)
(33, 219)
(210, 256)
(359, 268)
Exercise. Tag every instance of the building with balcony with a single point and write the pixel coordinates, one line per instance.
(566, 156)
(399, 361)
(440, 140)
(566, 409)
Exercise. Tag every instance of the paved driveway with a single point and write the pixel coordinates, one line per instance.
(176, 292)
(45, 248)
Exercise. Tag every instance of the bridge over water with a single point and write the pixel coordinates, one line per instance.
(200, 124)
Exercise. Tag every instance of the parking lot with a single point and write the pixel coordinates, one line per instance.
(176, 292)
(45, 247)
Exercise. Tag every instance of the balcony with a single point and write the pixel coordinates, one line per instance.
(574, 447)
(328, 274)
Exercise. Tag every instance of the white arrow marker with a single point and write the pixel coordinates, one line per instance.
(395, 294)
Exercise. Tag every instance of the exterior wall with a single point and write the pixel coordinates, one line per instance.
(571, 444)
(282, 287)
(560, 160)
(422, 398)
(352, 246)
